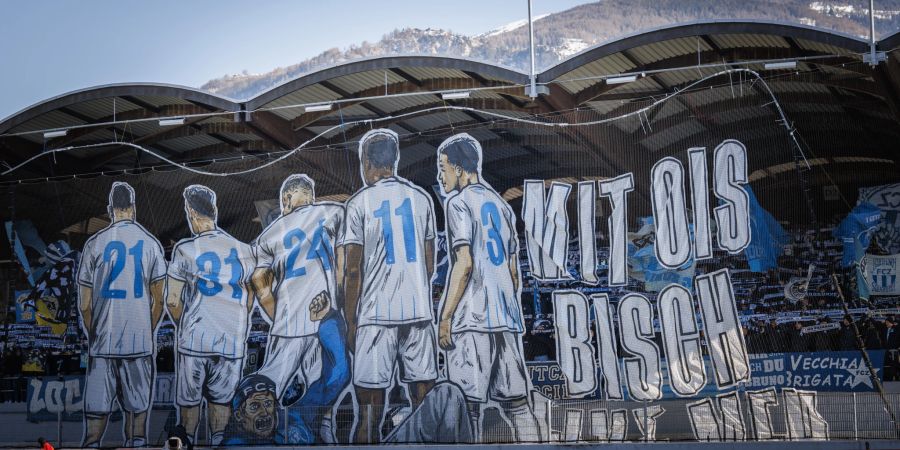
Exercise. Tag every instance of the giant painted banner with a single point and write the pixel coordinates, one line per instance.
(347, 291)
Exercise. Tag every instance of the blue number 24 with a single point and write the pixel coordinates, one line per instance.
(319, 247)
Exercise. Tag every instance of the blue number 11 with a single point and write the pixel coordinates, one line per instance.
(409, 229)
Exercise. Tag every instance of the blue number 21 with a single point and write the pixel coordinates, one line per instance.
(409, 229)
(117, 248)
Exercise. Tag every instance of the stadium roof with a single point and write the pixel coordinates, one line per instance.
(848, 111)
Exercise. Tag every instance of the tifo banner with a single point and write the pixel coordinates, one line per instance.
(880, 274)
(887, 199)
(52, 398)
(817, 371)
(464, 285)
(24, 314)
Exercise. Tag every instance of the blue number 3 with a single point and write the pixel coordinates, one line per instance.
(490, 216)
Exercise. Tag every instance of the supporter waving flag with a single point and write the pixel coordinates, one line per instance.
(768, 238)
(856, 232)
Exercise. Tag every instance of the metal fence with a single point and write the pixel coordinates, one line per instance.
(849, 416)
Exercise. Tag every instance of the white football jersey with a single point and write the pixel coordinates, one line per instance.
(392, 219)
(216, 270)
(481, 219)
(299, 249)
(118, 263)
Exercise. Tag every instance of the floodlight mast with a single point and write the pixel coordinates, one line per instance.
(874, 57)
(532, 89)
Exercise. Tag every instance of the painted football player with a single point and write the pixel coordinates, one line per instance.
(209, 301)
(295, 262)
(481, 323)
(121, 283)
(388, 240)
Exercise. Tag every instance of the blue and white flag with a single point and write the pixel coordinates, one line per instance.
(768, 237)
(855, 231)
(878, 275)
(887, 199)
(644, 265)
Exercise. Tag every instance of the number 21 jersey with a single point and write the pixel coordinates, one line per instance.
(118, 264)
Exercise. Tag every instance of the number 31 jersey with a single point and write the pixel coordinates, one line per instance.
(299, 250)
(215, 269)
(392, 219)
(481, 219)
(118, 264)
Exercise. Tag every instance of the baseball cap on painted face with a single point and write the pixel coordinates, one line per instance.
(249, 385)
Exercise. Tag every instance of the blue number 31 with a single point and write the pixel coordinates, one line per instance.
(209, 285)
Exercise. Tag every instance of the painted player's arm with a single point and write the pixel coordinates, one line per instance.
(173, 298)
(339, 261)
(158, 299)
(352, 288)
(460, 272)
(262, 283)
(85, 296)
(514, 270)
(251, 297)
(429, 258)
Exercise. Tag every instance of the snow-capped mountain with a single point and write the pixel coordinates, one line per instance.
(511, 26)
(560, 35)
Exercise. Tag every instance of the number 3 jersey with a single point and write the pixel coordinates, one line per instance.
(216, 270)
(478, 217)
(392, 219)
(118, 264)
(299, 250)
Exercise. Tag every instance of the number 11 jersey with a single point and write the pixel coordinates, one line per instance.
(392, 219)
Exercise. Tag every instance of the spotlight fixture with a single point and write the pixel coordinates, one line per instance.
(171, 122)
(622, 79)
(781, 65)
(315, 108)
(455, 95)
(55, 134)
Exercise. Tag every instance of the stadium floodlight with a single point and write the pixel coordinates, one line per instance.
(320, 107)
(622, 80)
(55, 134)
(171, 122)
(781, 65)
(455, 95)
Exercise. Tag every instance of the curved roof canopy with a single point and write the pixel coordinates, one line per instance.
(831, 81)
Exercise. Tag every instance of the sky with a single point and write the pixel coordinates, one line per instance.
(50, 48)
